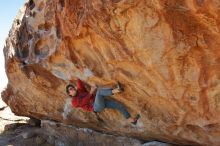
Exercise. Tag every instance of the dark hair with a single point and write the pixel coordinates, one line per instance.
(68, 86)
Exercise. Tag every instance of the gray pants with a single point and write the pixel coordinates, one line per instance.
(101, 102)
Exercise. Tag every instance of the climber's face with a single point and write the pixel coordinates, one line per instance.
(72, 91)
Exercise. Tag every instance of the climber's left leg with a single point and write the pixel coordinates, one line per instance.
(99, 103)
(101, 93)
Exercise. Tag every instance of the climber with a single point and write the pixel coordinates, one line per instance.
(95, 99)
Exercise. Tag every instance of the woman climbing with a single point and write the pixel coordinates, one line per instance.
(95, 99)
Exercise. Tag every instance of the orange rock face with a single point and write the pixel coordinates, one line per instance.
(165, 52)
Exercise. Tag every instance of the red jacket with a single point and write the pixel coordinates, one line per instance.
(83, 98)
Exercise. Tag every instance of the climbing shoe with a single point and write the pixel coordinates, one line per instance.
(119, 86)
(136, 119)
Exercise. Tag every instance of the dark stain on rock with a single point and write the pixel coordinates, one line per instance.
(193, 98)
(31, 4)
(44, 73)
(62, 3)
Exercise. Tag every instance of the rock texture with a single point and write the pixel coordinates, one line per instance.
(60, 134)
(165, 52)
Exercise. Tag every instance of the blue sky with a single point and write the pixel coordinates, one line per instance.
(8, 11)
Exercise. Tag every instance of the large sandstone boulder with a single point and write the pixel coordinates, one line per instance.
(165, 52)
